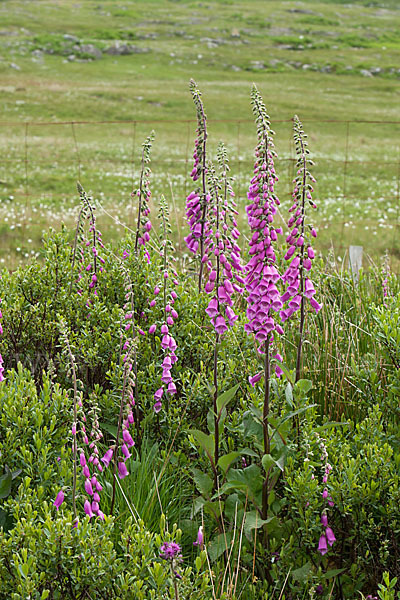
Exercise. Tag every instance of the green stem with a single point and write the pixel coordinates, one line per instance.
(267, 444)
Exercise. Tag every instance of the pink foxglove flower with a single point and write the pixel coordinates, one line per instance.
(330, 536)
(87, 507)
(322, 547)
(200, 538)
(59, 499)
(122, 470)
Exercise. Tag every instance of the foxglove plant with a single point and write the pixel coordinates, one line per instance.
(222, 258)
(92, 485)
(299, 286)
(168, 296)
(263, 297)
(143, 193)
(197, 201)
(119, 453)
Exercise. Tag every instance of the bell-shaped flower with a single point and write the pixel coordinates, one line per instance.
(212, 308)
(59, 499)
(330, 536)
(122, 470)
(220, 325)
(322, 546)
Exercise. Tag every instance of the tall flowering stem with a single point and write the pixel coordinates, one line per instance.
(300, 251)
(197, 201)
(143, 193)
(92, 485)
(1, 358)
(64, 337)
(263, 297)
(120, 453)
(164, 291)
(327, 536)
(222, 258)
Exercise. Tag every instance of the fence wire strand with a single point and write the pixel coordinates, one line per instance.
(30, 160)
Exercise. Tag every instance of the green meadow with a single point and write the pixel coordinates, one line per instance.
(120, 69)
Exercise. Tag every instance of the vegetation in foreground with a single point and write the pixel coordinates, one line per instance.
(206, 429)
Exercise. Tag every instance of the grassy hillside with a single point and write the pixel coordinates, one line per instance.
(131, 61)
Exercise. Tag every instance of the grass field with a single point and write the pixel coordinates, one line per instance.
(330, 62)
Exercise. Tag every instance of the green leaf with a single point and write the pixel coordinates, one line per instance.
(305, 385)
(110, 428)
(24, 570)
(332, 573)
(15, 474)
(268, 461)
(225, 398)
(331, 424)
(206, 442)
(5, 484)
(301, 574)
(254, 521)
(226, 460)
(203, 482)
(288, 374)
(249, 452)
(289, 394)
(219, 545)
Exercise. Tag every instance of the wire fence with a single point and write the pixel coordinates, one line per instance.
(357, 166)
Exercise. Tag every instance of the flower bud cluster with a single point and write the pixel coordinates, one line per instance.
(221, 251)
(262, 276)
(143, 194)
(300, 251)
(163, 293)
(90, 243)
(198, 200)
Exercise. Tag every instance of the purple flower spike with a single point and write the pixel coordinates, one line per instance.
(263, 296)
